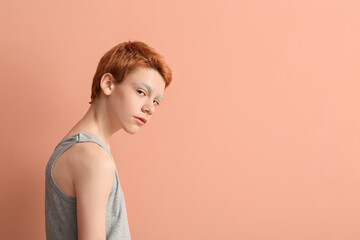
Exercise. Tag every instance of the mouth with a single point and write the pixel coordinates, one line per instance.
(141, 119)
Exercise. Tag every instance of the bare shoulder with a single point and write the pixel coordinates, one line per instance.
(87, 157)
(91, 162)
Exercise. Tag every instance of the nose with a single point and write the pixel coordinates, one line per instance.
(149, 108)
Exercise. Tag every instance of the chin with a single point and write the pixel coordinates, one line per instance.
(129, 127)
(131, 130)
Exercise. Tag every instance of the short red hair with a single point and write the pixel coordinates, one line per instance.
(126, 57)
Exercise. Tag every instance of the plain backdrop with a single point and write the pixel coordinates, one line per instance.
(257, 137)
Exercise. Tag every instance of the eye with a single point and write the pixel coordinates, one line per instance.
(157, 103)
(139, 91)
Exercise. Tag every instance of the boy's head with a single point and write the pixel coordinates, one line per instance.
(123, 59)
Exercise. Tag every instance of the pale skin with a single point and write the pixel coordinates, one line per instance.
(86, 171)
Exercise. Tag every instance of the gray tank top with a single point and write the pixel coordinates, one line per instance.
(60, 208)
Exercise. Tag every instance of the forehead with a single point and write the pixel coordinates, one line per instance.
(147, 78)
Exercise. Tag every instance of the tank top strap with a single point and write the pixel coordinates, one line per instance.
(83, 137)
(90, 137)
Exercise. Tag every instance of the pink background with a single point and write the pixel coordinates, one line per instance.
(257, 137)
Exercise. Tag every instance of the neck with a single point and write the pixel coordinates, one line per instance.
(96, 121)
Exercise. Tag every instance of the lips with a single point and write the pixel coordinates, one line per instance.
(142, 119)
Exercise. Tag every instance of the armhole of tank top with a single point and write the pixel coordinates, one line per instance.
(66, 196)
(54, 184)
(115, 182)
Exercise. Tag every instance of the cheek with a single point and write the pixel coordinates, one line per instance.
(132, 101)
(115, 105)
(128, 104)
(125, 104)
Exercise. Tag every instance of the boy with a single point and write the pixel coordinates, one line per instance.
(83, 195)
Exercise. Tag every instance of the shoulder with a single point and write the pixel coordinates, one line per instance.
(89, 153)
(88, 159)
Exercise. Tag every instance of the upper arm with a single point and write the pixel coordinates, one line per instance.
(93, 179)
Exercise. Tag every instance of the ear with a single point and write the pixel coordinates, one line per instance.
(107, 83)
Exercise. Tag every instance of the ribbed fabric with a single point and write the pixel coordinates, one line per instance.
(60, 208)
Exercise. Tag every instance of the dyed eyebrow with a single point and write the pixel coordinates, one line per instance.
(148, 88)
